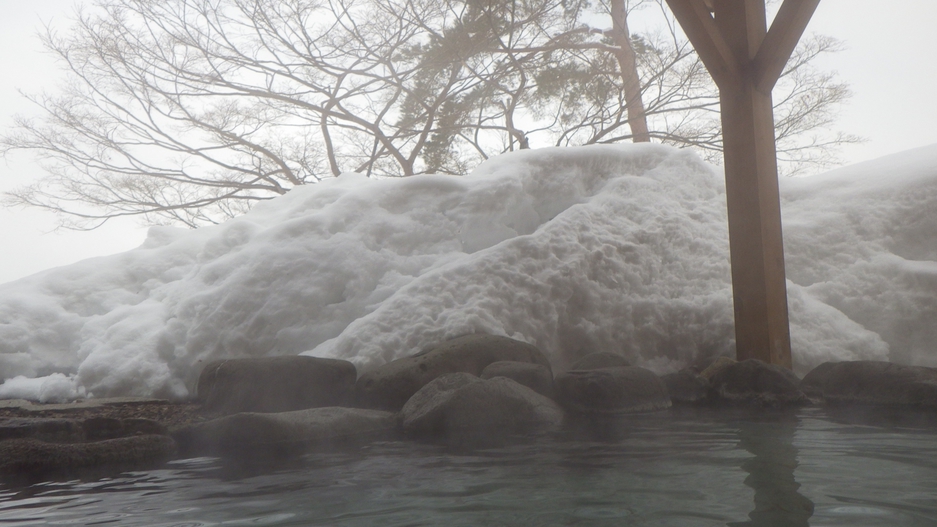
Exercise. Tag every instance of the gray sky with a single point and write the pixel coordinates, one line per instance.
(890, 64)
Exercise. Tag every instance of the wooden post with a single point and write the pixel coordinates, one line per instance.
(745, 59)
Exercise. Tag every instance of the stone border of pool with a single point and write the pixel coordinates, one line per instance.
(476, 391)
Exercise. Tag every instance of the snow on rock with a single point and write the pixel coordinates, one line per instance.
(599, 248)
(55, 388)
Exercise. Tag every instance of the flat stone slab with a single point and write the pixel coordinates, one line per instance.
(67, 430)
(246, 435)
(44, 429)
(14, 403)
(83, 404)
(21, 458)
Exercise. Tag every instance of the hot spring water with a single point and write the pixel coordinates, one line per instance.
(676, 468)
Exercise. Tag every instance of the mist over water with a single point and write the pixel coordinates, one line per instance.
(677, 468)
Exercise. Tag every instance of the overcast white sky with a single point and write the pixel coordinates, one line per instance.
(890, 64)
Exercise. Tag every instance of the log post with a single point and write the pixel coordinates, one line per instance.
(745, 59)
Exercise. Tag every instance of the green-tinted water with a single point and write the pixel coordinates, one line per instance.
(677, 468)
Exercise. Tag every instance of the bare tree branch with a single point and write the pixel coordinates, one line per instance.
(190, 111)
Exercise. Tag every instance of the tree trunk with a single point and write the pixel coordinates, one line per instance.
(627, 63)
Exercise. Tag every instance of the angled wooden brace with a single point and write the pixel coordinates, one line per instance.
(700, 28)
(745, 59)
(773, 52)
(778, 45)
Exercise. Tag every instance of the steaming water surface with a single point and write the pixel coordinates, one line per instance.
(676, 468)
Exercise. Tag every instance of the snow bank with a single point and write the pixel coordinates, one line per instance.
(863, 240)
(55, 388)
(617, 248)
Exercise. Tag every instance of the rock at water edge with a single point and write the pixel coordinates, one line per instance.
(619, 390)
(276, 384)
(390, 386)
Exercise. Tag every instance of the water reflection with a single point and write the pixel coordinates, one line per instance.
(771, 471)
(680, 468)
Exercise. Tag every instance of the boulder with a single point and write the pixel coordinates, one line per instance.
(599, 359)
(32, 457)
(388, 387)
(247, 436)
(424, 413)
(468, 412)
(537, 377)
(873, 382)
(618, 390)
(275, 384)
(686, 387)
(756, 382)
(923, 393)
(716, 366)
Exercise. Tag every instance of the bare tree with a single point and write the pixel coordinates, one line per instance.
(679, 101)
(189, 111)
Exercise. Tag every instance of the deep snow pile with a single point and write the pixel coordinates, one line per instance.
(617, 248)
(863, 240)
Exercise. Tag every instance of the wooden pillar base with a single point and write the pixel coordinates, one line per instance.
(759, 286)
(746, 59)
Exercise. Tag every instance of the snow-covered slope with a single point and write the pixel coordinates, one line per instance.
(863, 239)
(618, 248)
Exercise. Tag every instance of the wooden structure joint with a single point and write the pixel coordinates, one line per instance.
(745, 59)
(779, 43)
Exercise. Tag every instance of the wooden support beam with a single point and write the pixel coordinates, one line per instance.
(759, 286)
(778, 45)
(745, 59)
(700, 28)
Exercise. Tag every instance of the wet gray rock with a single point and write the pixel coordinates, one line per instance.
(598, 360)
(873, 382)
(32, 457)
(247, 436)
(43, 429)
(686, 387)
(619, 390)
(275, 384)
(424, 413)
(29, 407)
(923, 393)
(64, 430)
(467, 412)
(813, 383)
(756, 382)
(537, 377)
(390, 386)
(100, 428)
(716, 366)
